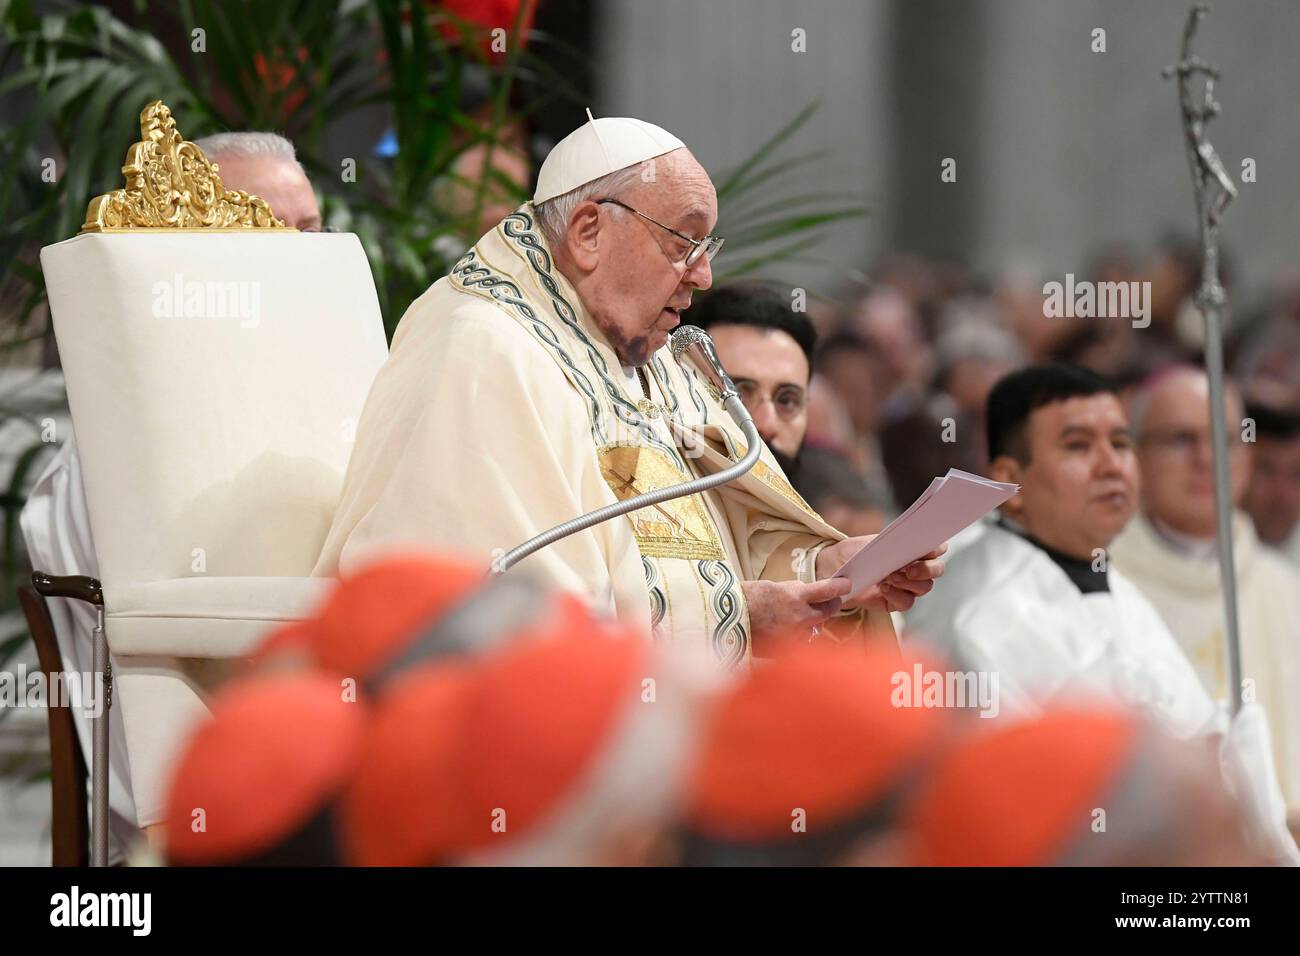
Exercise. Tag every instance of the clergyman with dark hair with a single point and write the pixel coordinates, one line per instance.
(1034, 598)
(767, 349)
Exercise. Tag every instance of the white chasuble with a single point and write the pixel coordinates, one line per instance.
(502, 412)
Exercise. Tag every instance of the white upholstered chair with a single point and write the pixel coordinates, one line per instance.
(215, 372)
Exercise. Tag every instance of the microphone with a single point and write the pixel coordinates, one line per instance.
(696, 345)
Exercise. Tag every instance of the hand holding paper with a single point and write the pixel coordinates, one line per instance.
(950, 504)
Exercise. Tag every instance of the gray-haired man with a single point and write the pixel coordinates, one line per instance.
(266, 165)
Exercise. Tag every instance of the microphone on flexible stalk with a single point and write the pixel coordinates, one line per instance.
(693, 343)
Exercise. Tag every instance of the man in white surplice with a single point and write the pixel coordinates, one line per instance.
(1033, 598)
(1035, 601)
(1169, 551)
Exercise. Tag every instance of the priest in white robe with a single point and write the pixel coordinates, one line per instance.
(534, 384)
(1033, 598)
(1169, 551)
(1036, 600)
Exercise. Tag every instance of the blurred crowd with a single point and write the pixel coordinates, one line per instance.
(903, 365)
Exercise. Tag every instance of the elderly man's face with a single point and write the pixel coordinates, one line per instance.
(1175, 456)
(279, 181)
(771, 374)
(1078, 489)
(639, 285)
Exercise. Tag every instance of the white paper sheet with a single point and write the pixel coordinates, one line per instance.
(951, 503)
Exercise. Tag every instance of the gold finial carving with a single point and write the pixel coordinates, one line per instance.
(170, 184)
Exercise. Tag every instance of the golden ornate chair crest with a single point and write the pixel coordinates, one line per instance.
(170, 184)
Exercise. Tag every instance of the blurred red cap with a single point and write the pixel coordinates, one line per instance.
(274, 754)
(1018, 794)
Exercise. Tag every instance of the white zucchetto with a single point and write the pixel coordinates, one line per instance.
(598, 148)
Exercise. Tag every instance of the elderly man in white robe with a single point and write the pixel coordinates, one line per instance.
(534, 384)
(1169, 551)
(1036, 601)
(157, 697)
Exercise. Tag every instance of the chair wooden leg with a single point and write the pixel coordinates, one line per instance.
(71, 827)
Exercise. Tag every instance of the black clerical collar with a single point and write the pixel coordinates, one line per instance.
(1078, 570)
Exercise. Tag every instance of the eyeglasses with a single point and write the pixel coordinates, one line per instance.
(788, 401)
(707, 247)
